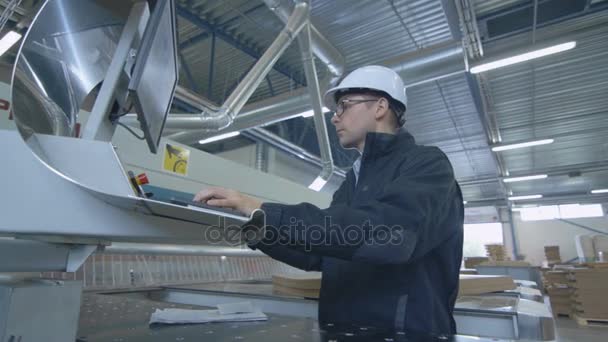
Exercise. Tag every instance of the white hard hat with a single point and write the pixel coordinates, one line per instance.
(373, 77)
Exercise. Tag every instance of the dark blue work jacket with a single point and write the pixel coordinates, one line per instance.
(389, 245)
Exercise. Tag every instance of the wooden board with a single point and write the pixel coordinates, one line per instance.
(468, 271)
(506, 263)
(479, 284)
(304, 281)
(295, 292)
(471, 262)
(308, 285)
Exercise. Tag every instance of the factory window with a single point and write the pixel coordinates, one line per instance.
(565, 211)
(547, 212)
(476, 236)
(576, 210)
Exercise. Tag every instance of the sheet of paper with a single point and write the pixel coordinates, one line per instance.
(184, 316)
(235, 308)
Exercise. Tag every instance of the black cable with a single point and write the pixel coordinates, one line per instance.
(115, 117)
(130, 130)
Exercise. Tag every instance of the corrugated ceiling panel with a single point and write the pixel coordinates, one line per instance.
(371, 31)
(564, 97)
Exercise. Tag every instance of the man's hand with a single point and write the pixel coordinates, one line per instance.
(227, 198)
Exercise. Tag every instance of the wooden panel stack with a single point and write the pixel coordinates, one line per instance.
(471, 262)
(306, 285)
(496, 252)
(479, 284)
(507, 263)
(589, 298)
(558, 288)
(552, 255)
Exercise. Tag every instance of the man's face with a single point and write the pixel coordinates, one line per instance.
(353, 119)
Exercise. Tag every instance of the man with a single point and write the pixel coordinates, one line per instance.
(390, 243)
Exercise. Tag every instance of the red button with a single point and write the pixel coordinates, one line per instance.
(142, 179)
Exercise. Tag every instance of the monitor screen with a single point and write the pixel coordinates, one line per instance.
(155, 73)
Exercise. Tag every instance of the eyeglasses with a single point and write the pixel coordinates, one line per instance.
(344, 104)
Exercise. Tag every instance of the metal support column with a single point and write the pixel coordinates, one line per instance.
(98, 126)
(211, 67)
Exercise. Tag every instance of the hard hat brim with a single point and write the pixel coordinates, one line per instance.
(329, 99)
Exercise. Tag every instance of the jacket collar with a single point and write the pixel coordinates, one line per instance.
(378, 144)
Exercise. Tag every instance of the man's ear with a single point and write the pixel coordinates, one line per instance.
(382, 108)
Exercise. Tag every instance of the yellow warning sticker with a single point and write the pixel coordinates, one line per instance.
(176, 159)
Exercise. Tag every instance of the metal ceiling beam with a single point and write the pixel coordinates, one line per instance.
(571, 198)
(211, 67)
(205, 25)
(564, 170)
(226, 24)
(470, 35)
(587, 10)
(449, 8)
(188, 72)
(472, 38)
(593, 115)
(576, 224)
(270, 88)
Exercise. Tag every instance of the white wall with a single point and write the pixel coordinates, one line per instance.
(532, 236)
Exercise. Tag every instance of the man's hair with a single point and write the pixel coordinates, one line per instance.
(397, 107)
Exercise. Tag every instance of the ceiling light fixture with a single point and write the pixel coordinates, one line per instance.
(505, 147)
(599, 191)
(311, 112)
(219, 137)
(525, 178)
(521, 198)
(523, 57)
(8, 41)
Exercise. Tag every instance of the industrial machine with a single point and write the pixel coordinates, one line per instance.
(66, 189)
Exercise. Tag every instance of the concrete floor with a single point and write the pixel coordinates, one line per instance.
(569, 331)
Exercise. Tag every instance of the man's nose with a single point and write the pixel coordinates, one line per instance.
(334, 119)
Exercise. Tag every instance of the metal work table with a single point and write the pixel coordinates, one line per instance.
(119, 318)
(501, 316)
(264, 288)
(529, 273)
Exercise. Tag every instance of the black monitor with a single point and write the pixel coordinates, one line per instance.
(155, 73)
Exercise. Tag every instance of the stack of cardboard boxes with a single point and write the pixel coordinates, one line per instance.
(471, 262)
(557, 285)
(552, 255)
(589, 299)
(496, 252)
